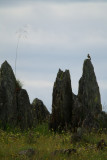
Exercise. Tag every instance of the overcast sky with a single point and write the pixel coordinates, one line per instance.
(59, 35)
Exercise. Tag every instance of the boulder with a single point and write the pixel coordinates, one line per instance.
(39, 111)
(61, 101)
(8, 106)
(28, 152)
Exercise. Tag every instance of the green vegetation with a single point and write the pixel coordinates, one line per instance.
(46, 142)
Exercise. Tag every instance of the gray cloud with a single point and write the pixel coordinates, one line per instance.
(14, 2)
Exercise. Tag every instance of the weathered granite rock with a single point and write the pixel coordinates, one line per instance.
(62, 101)
(24, 119)
(85, 109)
(8, 107)
(39, 111)
(15, 108)
(89, 94)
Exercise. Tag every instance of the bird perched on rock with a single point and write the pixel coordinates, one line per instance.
(89, 56)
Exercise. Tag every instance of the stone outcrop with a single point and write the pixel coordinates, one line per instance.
(88, 99)
(89, 94)
(15, 108)
(68, 110)
(8, 106)
(62, 101)
(39, 111)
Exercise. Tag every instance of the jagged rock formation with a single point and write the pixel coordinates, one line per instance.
(8, 106)
(88, 99)
(14, 102)
(62, 101)
(89, 94)
(39, 111)
(68, 110)
(15, 107)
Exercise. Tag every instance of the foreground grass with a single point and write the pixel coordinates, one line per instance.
(45, 142)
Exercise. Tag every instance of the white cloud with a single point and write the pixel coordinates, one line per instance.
(15, 11)
(66, 24)
(103, 84)
(38, 84)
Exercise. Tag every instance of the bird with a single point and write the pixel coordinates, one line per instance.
(89, 57)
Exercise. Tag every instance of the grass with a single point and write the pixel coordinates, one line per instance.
(45, 142)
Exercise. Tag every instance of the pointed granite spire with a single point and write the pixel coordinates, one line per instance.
(88, 93)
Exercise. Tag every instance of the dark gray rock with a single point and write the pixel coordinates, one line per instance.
(87, 104)
(90, 122)
(28, 152)
(39, 111)
(24, 119)
(15, 108)
(85, 109)
(76, 112)
(89, 94)
(8, 106)
(62, 101)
